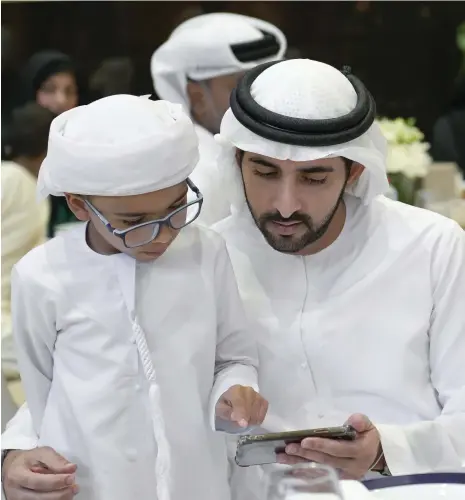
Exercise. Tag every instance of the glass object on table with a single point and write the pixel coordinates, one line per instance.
(453, 209)
(457, 211)
(442, 181)
(307, 481)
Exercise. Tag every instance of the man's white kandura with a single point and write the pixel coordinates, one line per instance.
(372, 324)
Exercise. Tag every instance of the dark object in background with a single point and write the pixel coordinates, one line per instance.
(293, 53)
(9, 86)
(114, 76)
(189, 12)
(448, 144)
(29, 131)
(9, 49)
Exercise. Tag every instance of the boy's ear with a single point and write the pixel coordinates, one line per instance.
(77, 205)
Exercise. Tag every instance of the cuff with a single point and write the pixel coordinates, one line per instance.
(232, 375)
(19, 433)
(18, 442)
(397, 450)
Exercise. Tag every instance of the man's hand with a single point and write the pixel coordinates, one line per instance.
(353, 458)
(242, 405)
(39, 473)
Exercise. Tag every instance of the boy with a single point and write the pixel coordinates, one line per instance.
(123, 327)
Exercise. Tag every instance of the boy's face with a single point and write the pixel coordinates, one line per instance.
(123, 212)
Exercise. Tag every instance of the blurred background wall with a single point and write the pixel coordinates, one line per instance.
(404, 51)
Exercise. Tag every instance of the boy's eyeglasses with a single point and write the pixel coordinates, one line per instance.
(145, 233)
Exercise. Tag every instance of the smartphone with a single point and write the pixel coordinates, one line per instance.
(261, 449)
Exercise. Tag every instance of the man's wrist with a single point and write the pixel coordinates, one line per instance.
(379, 457)
(380, 466)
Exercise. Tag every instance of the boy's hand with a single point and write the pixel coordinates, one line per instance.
(42, 472)
(242, 405)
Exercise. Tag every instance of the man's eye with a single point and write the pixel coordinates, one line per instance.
(312, 180)
(264, 174)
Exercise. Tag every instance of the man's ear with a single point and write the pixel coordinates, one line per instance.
(196, 95)
(356, 170)
(77, 205)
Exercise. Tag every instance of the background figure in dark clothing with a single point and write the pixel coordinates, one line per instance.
(113, 76)
(49, 78)
(30, 126)
(9, 77)
(448, 143)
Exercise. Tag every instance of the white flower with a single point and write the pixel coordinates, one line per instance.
(407, 153)
(412, 160)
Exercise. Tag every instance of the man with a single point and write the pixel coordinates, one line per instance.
(24, 219)
(125, 375)
(357, 300)
(198, 66)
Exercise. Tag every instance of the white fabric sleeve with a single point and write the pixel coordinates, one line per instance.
(236, 350)
(206, 177)
(33, 319)
(439, 445)
(20, 433)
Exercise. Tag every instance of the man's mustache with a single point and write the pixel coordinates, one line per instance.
(277, 217)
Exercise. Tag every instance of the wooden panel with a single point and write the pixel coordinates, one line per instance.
(405, 51)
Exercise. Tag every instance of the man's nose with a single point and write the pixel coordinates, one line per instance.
(286, 200)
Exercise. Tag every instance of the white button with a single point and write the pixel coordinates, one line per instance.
(304, 365)
(131, 454)
(137, 387)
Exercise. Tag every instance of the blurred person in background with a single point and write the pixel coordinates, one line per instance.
(293, 53)
(24, 219)
(198, 67)
(49, 78)
(9, 78)
(448, 143)
(113, 76)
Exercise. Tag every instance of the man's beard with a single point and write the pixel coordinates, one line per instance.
(292, 243)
